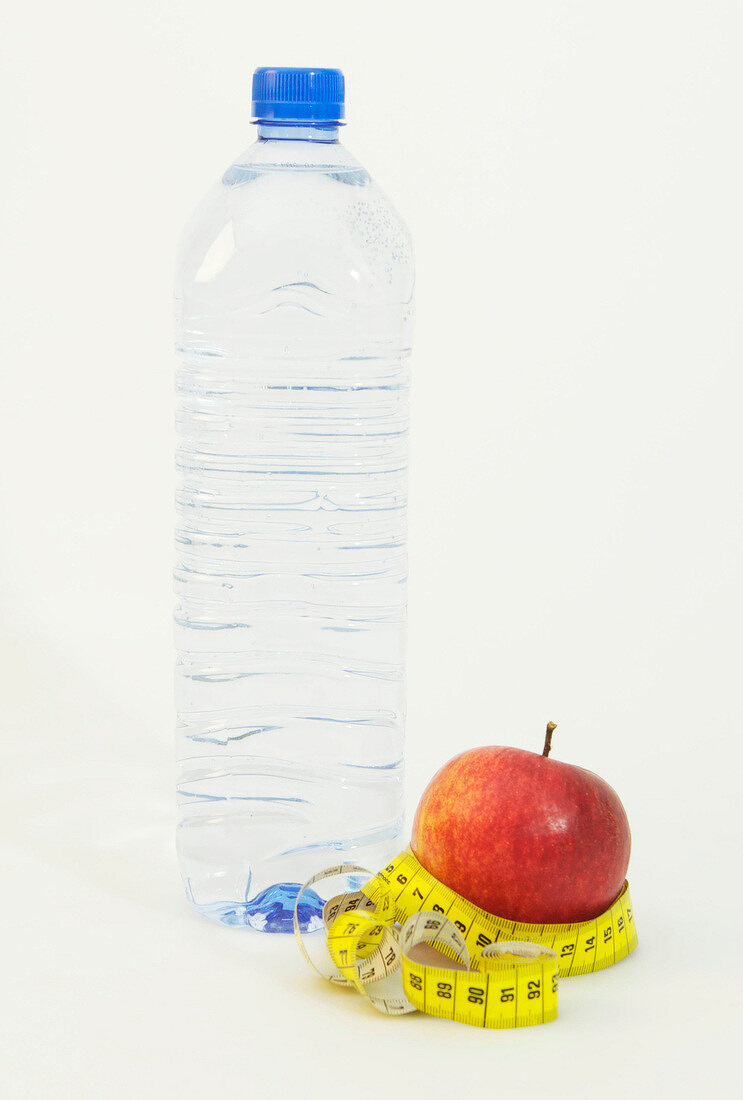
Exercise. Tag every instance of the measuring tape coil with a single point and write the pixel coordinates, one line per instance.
(408, 942)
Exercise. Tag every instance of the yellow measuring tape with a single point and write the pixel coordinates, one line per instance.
(408, 942)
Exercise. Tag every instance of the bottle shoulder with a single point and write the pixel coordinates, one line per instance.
(292, 212)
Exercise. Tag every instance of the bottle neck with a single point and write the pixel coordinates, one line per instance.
(325, 132)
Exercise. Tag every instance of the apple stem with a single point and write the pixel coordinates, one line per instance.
(551, 727)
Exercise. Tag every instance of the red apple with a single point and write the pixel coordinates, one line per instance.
(522, 836)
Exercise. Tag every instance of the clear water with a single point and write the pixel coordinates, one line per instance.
(294, 308)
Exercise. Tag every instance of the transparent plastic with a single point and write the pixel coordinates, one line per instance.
(294, 310)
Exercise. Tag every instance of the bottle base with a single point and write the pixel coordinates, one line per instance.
(270, 911)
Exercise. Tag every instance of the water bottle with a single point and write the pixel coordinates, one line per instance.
(294, 304)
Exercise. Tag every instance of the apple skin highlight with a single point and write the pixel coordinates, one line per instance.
(525, 837)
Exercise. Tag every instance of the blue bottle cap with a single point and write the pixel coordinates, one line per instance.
(298, 95)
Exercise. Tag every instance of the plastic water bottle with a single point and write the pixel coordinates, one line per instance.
(294, 312)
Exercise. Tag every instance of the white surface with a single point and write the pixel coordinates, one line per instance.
(591, 455)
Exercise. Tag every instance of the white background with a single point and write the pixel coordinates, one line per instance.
(571, 174)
